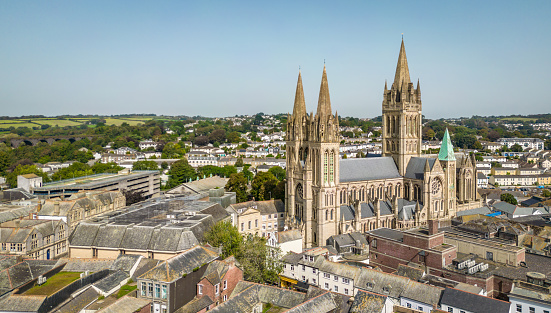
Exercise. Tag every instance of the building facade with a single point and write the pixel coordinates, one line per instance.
(327, 196)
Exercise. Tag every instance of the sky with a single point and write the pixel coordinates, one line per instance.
(226, 58)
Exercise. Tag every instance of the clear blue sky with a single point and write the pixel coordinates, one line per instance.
(221, 58)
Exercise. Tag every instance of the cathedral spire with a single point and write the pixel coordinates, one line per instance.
(418, 87)
(324, 102)
(402, 70)
(300, 106)
(446, 149)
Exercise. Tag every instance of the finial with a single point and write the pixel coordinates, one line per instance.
(402, 36)
(324, 62)
(299, 68)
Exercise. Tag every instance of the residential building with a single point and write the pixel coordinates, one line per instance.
(512, 211)
(219, 280)
(260, 217)
(287, 241)
(145, 144)
(146, 182)
(320, 186)
(28, 182)
(457, 301)
(481, 180)
(532, 295)
(525, 143)
(172, 283)
(34, 239)
(513, 180)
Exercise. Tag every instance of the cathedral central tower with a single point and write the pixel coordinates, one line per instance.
(402, 118)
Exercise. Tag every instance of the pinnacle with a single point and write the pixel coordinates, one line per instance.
(300, 106)
(402, 70)
(324, 102)
(446, 149)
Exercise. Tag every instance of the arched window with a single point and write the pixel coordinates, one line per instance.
(325, 166)
(331, 214)
(315, 239)
(332, 166)
(326, 215)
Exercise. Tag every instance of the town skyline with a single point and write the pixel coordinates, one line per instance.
(237, 58)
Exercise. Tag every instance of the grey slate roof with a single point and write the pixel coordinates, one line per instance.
(125, 262)
(322, 303)
(20, 303)
(82, 265)
(410, 272)
(126, 304)
(416, 167)
(289, 235)
(482, 210)
(15, 274)
(505, 207)
(11, 212)
(246, 295)
(472, 302)
(406, 210)
(388, 233)
(195, 305)
(183, 263)
(79, 302)
(111, 281)
(367, 302)
(367, 169)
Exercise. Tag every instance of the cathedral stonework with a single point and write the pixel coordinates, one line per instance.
(401, 189)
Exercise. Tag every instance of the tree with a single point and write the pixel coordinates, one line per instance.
(164, 165)
(509, 198)
(239, 162)
(238, 184)
(133, 196)
(180, 172)
(74, 170)
(279, 191)
(278, 172)
(517, 148)
(218, 135)
(111, 167)
(546, 193)
(145, 166)
(233, 137)
(263, 185)
(25, 169)
(226, 235)
(252, 253)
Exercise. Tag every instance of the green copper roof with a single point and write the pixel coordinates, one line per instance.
(446, 149)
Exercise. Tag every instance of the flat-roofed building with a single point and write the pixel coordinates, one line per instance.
(146, 182)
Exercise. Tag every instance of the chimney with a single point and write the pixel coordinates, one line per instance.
(433, 227)
(56, 208)
(17, 223)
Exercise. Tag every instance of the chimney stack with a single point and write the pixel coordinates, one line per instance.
(433, 227)
(56, 208)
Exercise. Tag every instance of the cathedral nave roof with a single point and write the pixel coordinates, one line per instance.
(368, 169)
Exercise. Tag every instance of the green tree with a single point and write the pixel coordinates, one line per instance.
(263, 186)
(509, 198)
(74, 170)
(239, 162)
(278, 172)
(279, 191)
(517, 148)
(25, 169)
(238, 184)
(257, 260)
(233, 137)
(226, 235)
(546, 193)
(110, 167)
(145, 166)
(180, 172)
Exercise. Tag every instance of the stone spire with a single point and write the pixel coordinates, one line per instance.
(324, 102)
(300, 105)
(446, 149)
(418, 87)
(402, 70)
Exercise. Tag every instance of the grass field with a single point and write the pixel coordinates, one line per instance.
(53, 122)
(524, 119)
(53, 284)
(119, 121)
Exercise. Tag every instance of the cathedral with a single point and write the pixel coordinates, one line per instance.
(401, 189)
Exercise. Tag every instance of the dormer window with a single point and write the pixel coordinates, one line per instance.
(369, 285)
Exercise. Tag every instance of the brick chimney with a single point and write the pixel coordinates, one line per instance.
(433, 227)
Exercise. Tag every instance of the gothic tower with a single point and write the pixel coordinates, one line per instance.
(313, 167)
(446, 156)
(402, 119)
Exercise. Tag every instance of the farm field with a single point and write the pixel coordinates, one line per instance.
(119, 121)
(524, 119)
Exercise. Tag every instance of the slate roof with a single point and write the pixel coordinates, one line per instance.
(20, 303)
(16, 274)
(367, 302)
(183, 263)
(412, 273)
(505, 207)
(388, 233)
(195, 305)
(264, 207)
(289, 235)
(111, 281)
(125, 262)
(472, 302)
(322, 303)
(482, 210)
(125, 304)
(82, 265)
(416, 167)
(367, 169)
(216, 271)
(10, 213)
(80, 301)
(177, 237)
(246, 295)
